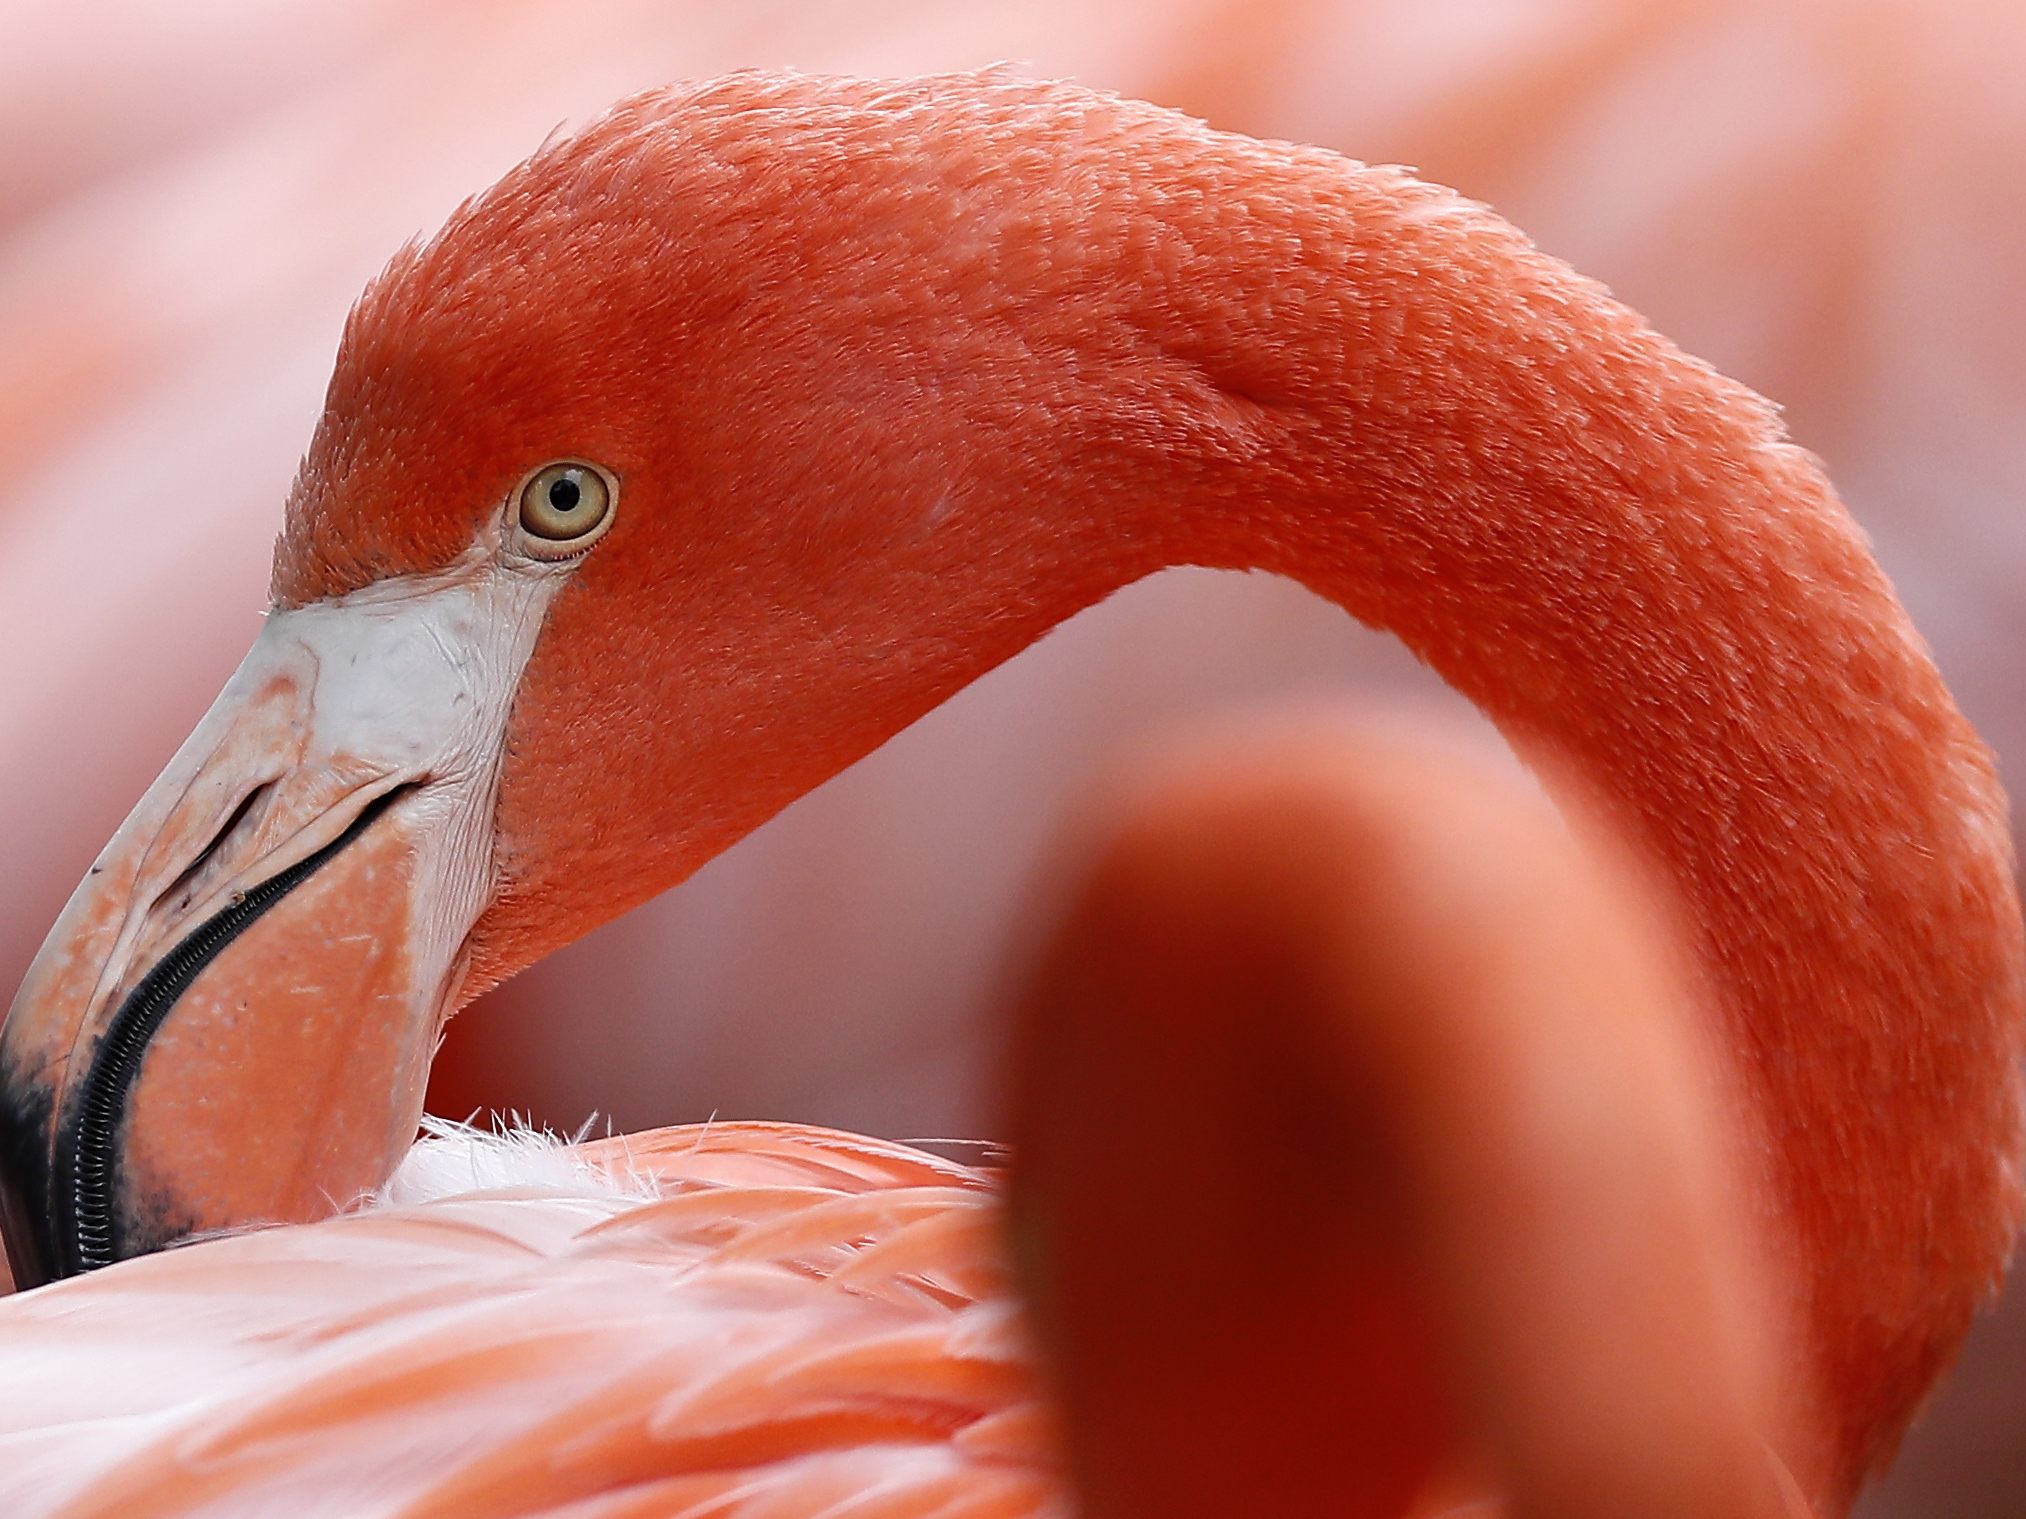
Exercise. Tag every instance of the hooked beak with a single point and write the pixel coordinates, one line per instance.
(233, 1020)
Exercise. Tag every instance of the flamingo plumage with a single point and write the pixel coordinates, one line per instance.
(871, 384)
(759, 1319)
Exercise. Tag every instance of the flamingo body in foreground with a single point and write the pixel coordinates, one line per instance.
(671, 1357)
(722, 439)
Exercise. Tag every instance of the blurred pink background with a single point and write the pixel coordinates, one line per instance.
(1827, 198)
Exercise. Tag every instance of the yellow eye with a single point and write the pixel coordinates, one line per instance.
(564, 504)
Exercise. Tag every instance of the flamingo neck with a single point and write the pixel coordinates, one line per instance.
(1389, 396)
(1052, 342)
(1616, 555)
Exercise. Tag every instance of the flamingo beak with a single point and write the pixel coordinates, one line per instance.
(233, 1020)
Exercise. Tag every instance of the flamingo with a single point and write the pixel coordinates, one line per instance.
(724, 438)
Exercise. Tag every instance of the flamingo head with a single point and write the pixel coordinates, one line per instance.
(635, 511)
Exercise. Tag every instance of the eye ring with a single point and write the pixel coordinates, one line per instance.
(564, 507)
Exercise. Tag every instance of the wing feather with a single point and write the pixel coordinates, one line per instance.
(737, 1320)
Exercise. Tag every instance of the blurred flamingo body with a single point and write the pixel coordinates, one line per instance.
(887, 379)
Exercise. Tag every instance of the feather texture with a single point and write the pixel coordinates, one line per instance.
(724, 1320)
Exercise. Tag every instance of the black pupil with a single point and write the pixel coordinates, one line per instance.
(563, 493)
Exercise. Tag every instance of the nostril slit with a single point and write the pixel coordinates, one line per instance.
(181, 890)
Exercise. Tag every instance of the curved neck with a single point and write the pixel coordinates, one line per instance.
(1616, 555)
(1052, 341)
(1383, 392)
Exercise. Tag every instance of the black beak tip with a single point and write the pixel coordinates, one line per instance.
(25, 1109)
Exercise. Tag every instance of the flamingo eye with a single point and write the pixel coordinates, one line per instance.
(564, 506)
